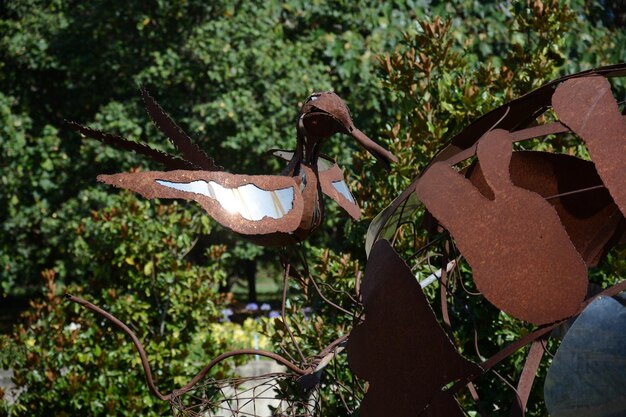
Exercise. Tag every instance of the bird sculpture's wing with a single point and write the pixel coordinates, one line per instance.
(246, 204)
(191, 152)
(332, 182)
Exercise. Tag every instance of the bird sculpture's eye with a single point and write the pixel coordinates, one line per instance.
(313, 97)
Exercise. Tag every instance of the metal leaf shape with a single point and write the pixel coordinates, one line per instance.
(521, 256)
(169, 161)
(177, 136)
(587, 106)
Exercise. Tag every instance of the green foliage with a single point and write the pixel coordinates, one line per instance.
(133, 255)
(232, 75)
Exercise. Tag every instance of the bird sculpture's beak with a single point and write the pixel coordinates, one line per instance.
(325, 114)
(383, 155)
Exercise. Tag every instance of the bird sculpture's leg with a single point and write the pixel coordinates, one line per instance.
(282, 312)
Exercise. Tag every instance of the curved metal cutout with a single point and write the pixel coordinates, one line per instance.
(232, 208)
(400, 348)
(521, 256)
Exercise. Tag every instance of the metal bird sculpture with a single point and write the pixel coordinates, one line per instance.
(270, 210)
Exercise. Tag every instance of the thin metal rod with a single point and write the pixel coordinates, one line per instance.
(283, 315)
(200, 375)
(131, 334)
(516, 136)
(580, 190)
(530, 337)
(338, 307)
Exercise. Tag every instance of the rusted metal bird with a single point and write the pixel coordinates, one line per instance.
(270, 210)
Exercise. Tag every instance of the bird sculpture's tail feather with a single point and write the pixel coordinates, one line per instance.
(170, 162)
(191, 152)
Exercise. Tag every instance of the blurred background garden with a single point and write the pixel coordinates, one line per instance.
(234, 74)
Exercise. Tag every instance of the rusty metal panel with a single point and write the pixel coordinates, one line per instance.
(517, 116)
(521, 256)
(400, 348)
(592, 220)
(587, 106)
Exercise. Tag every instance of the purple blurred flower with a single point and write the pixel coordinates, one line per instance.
(274, 314)
(226, 313)
(266, 307)
(306, 311)
(252, 306)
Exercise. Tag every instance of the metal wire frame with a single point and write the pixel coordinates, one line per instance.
(292, 394)
(275, 394)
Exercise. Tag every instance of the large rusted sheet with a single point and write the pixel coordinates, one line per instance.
(514, 116)
(521, 256)
(591, 218)
(400, 348)
(587, 106)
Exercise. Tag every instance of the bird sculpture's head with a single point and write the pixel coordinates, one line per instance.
(325, 113)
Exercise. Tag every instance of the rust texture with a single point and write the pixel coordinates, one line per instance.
(177, 136)
(518, 117)
(586, 105)
(334, 174)
(400, 349)
(521, 256)
(591, 219)
(167, 160)
(329, 172)
(323, 115)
